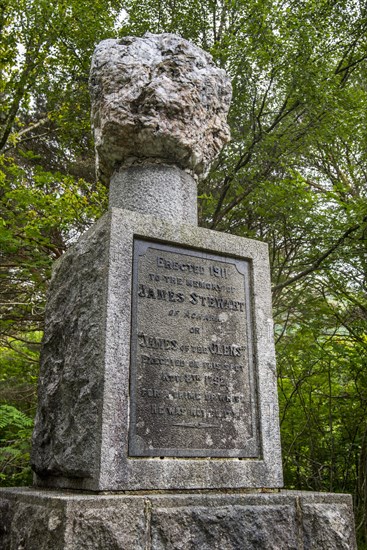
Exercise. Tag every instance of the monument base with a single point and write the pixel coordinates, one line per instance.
(158, 364)
(44, 519)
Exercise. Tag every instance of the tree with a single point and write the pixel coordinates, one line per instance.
(294, 176)
(48, 188)
(47, 185)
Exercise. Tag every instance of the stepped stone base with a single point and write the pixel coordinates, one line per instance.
(44, 519)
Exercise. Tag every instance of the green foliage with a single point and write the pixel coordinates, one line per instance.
(18, 377)
(10, 416)
(47, 185)
(15, 433)
(294, 175)
(40, 217)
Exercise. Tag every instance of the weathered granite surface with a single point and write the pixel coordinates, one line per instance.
(158, 97)
(163, 190)
(68, 421)
(82, 430)
(287, 520)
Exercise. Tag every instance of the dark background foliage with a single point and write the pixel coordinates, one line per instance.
(293, 176)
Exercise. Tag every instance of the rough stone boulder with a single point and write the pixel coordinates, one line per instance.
(157, 99)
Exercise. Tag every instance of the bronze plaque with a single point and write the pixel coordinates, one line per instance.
(193, 383)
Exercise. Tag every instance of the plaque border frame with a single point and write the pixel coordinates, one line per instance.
(252, 449)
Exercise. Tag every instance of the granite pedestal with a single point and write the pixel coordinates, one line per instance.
(286, 520)
(158, 366)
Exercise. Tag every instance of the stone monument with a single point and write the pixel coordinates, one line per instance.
(157, 392)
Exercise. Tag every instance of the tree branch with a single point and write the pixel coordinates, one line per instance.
(319, 261)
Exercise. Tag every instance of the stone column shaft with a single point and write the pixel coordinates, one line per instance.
(163, 190)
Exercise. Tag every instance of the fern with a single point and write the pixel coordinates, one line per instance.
(15, 440)
(12, 417)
